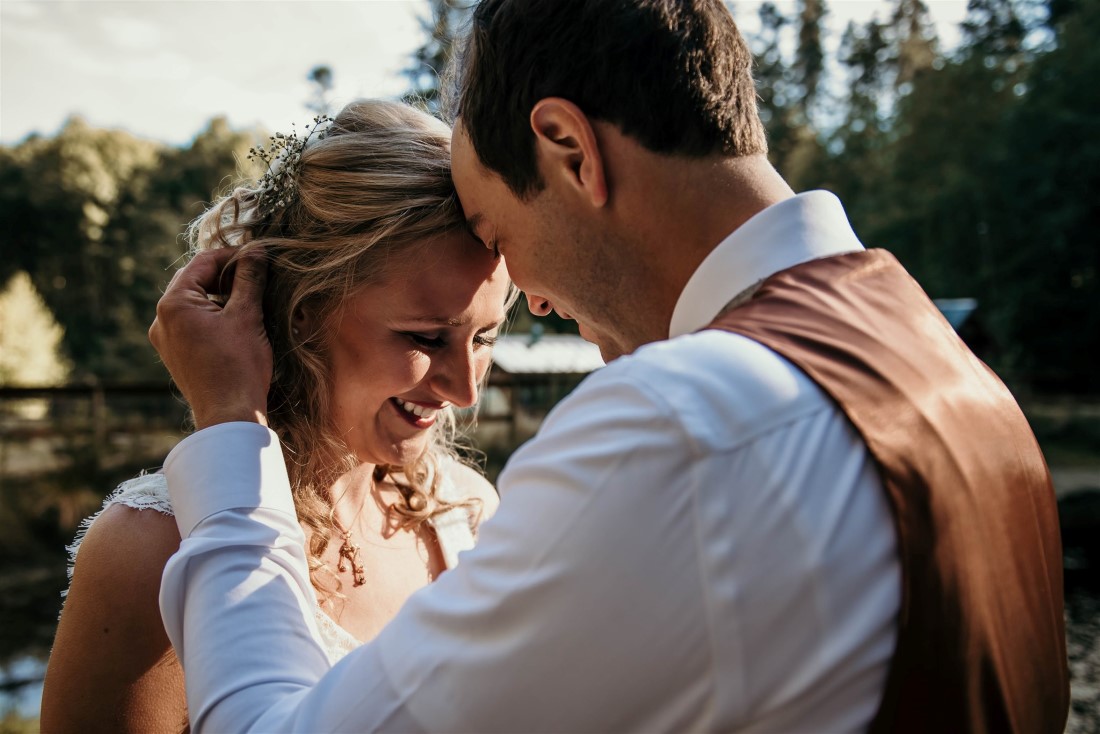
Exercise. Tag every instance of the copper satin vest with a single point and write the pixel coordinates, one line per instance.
(981, 638)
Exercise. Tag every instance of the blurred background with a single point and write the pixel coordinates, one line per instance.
(963, 136)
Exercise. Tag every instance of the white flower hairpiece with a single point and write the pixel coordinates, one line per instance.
(283, 159)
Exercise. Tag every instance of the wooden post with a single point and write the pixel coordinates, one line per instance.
(99, 424)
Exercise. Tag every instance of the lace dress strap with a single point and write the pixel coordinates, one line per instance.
(150, 492)
(143, 492)
(453, 528)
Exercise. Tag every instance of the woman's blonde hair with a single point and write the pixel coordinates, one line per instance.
(368, 195)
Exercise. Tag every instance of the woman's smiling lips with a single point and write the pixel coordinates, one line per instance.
(420, 415)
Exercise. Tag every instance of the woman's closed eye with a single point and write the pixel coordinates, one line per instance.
(426, 341)
(485, 340)
(430, 341)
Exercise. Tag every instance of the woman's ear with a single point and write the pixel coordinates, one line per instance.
(302, 324)
(567, 148)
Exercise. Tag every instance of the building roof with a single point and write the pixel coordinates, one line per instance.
(544, 354)
(541, 354)
(956, 310)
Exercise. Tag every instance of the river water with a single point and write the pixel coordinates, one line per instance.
(32, 565)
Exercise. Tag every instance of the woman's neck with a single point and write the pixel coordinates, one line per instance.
(351, 492)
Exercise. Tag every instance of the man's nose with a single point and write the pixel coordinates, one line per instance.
(457, 376)
(538, 305)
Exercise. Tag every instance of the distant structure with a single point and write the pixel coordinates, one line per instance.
(531, 373)
(545, 354)
(960, 313)
(956, 310)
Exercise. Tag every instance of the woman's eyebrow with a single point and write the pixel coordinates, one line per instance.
(451, 321)
(441, 320)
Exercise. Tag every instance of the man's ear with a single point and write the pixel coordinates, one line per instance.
(566, 146)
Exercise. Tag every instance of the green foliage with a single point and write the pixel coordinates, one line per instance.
(30, 338)
(1050, 176)
(788, 88)
(94, 216)
(430, 61)
(978, 169)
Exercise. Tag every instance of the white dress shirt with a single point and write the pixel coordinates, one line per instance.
(696, 540)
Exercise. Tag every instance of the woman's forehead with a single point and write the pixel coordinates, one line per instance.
(447, 278)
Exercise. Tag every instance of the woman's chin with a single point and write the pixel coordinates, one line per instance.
(398, 453)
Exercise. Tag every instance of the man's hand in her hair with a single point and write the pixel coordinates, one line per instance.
(209, 331)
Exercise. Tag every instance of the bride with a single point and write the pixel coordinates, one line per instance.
(382, 311)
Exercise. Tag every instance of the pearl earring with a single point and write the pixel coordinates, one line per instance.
(294, 330)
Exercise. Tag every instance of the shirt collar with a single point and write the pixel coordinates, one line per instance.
(796, 230)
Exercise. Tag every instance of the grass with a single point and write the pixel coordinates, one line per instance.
(13, 723)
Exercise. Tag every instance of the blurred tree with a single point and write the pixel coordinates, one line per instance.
(430, 61)
(149, 224)
(787, 90)
(1049, 215)
(321, 78)
(71, 186)
(856, 144)
(94, 217)
(993, 28)
(931, 183)
(809, 58)
(30, 337)
(914, 40)
(771, 76)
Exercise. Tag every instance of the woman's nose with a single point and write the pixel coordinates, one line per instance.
(458, 375)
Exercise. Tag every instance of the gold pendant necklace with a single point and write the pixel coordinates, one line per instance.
(349, 553)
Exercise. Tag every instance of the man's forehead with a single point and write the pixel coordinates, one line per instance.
(464, 160)
(471, 180)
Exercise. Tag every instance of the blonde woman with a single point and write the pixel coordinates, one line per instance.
(382, 311)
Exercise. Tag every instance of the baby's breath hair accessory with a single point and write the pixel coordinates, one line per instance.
(283, 159)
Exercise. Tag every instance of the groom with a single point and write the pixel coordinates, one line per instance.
(793, 502)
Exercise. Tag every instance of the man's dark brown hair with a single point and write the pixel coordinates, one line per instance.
(675, 75)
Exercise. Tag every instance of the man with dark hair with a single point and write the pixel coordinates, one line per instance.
(792, 501)
(674, 76)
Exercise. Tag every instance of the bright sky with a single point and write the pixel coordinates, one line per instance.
(162, 68)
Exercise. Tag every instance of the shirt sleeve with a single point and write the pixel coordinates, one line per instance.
(550, 624)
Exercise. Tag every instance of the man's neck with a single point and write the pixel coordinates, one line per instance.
(702, 202)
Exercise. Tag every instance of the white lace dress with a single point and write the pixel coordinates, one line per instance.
(453, 529)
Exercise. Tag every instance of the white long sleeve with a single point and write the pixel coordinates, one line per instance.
(696, 540)
(658, 562)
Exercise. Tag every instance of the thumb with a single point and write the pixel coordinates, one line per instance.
(249, 281)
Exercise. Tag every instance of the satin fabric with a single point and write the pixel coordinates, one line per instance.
(981, 638)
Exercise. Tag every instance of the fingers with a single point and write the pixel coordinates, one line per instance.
(206, 267)
(219, 355)
(202, 275)
(189, 287)
(249, 281)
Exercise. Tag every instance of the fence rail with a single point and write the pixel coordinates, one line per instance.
(39, 424)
